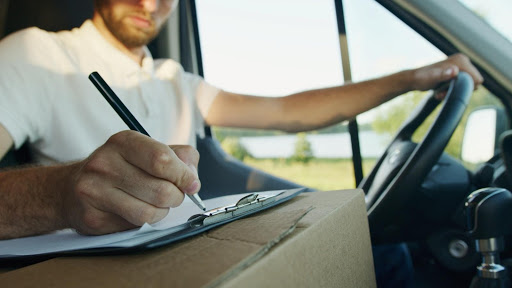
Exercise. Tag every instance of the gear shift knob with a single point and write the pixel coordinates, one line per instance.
(488, 211)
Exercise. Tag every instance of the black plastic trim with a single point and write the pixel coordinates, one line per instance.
(353, 128)
(197, 40)
(199, 54)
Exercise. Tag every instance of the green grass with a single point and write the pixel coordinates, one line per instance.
(321, 174)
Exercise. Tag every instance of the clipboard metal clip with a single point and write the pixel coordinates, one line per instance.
(245, 204)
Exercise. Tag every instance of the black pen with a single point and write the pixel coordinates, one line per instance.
(128, 118)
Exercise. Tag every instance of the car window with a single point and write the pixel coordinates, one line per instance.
(274, 48)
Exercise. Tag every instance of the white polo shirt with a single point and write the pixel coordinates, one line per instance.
(47, 98)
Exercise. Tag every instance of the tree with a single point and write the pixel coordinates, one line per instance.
(303, 152)
(233, 147)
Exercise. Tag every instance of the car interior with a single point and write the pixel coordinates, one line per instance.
(416, 192)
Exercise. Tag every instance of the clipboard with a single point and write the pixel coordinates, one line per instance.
(196, 224)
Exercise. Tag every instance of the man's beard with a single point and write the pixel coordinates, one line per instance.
(130, 36)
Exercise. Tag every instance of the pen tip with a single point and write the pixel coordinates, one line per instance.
(204, 209)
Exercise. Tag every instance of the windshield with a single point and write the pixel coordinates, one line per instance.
(494, 12)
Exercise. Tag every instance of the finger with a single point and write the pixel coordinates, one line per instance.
(478, 79)
(106, 170)
(465, 64)
(449, 72)
(155, 158)
(141, 185)
(473, 72)
(189, 156)
(130, 208)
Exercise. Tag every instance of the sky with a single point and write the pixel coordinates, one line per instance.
(278, 47)
(248, 46)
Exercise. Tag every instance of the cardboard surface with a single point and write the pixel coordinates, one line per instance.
(318, 239)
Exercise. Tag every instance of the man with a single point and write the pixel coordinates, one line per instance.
(128, 179)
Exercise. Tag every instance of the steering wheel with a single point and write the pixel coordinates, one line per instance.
(391, 186)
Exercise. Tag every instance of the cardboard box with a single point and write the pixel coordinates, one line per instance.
(318, 239)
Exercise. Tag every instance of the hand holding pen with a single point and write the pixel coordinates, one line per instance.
(128, 181)
(116, 189)
(132, 123)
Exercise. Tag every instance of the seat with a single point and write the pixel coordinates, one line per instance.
(51, 15)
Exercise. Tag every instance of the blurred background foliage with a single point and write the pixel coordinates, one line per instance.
(389, 120)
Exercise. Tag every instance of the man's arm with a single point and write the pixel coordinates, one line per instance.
(130, 180)
(323, 107)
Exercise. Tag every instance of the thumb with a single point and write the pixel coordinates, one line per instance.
(449, 73)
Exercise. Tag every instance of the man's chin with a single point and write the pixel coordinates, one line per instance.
(136, 37)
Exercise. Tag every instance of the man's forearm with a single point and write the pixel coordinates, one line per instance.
(307, 110)
(324, 107)
(31, 200)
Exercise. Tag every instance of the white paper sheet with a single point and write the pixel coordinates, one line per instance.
(67, 240)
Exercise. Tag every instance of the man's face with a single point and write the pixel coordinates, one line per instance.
(134, 22)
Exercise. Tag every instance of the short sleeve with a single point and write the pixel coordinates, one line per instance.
(194, 95)
(23, 109)
(205, 93)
